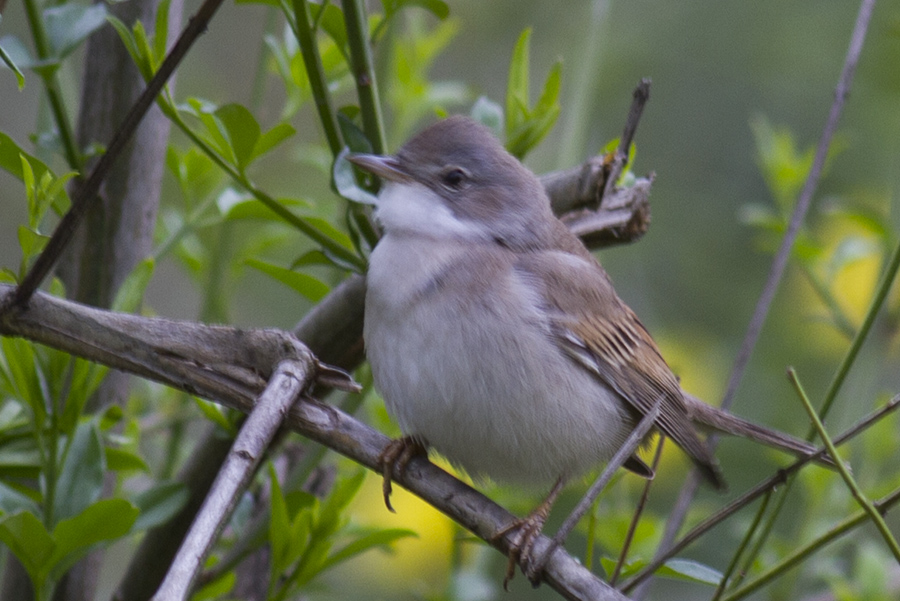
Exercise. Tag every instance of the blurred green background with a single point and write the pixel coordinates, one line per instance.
(717, 68)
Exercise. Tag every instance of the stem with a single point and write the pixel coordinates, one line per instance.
(740, 550)
(636, 518)
(51, 84)
(87, 192)
(306, 37)
(363, 70)
(854, 487)
(779, 264)
(858, 518)
(298, 222)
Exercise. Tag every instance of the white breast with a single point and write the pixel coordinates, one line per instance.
(461, 351)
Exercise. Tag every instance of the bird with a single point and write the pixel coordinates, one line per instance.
(497, 339)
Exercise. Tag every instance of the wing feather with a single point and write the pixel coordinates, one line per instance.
(594, 327)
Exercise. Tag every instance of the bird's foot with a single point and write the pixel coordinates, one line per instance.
(394, 459)
(521, 545)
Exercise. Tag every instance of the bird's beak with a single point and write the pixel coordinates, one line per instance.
(385, 167)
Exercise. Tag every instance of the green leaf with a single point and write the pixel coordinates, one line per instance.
(31, 242)
(86, 379)
(148, 63)
(305, 284)
(548, 103)
(69, 24)
(783, 166)
(436, 7)
(332, 22)
(242, 130)
(383, 539)
(130, 294)
(13, 501)
(216, 414)
(279, 532)
(345, 181)
(342, 494)
(25, 535)
(105, 520)
(525, 127)
(517, 86)
(9, 62)
(124, 460)
(353, 136)
(223, 585)
(11, 159)
(159, 504)
(329, 231)
(690, 571)
(128, 40)
(22, 377)
(488, 113)
(81, 480)
(161, 30)
(217, 132)
(273, 138)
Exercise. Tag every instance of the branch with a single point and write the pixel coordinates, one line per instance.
(87, 192)
(290, 379)
(779, 264)
(228, 366)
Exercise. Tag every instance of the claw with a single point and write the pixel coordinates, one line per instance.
(395, 456)
(521, 545)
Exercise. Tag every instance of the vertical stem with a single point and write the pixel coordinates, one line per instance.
(306, 37)
(363, 69)
(51, 83)
(854, 487)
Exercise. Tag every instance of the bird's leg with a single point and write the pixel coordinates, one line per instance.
(394, 458)
(527, 532)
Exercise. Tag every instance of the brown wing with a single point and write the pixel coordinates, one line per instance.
(593, 326)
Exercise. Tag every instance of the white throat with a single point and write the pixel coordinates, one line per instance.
(413, 209)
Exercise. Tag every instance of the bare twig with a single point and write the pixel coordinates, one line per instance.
(224, 365)
(638, 512)
(776, 272)
(857, 519)
(752, 494)
(290, 379)
(640, 97)
(848, 478)
(627, 449)
(87, 191)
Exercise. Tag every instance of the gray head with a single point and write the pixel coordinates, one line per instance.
(455, 179)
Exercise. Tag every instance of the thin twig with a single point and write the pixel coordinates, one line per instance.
(87, 191)
(776, 272)
(854, 487)
(638, 512)
(315, 73)
(163, 351)
(748, 535)
(748, 497)
(639, 100)
(799, 556)
(290, 379)
(627, 449)
(363, 69)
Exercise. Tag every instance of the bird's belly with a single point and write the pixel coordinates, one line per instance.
(496, 399)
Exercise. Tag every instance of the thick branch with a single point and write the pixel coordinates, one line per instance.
(290, 379)
(228, 366)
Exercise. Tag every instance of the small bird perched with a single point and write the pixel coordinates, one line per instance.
(495, 337)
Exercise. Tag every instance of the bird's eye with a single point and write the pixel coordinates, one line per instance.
(454, 178)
